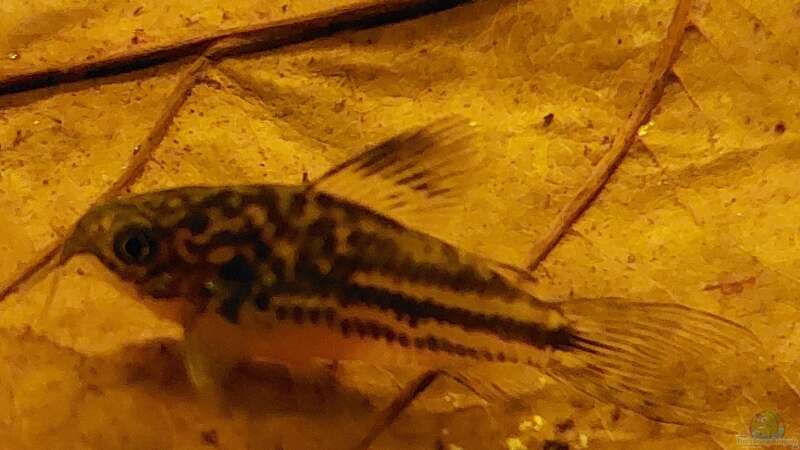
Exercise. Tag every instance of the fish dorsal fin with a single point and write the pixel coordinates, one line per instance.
(415, 177)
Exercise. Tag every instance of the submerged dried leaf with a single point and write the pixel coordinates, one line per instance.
(702, 212)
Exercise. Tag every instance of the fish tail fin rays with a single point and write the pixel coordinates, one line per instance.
(667, 362)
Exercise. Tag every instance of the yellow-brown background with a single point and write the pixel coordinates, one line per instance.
(703, 211)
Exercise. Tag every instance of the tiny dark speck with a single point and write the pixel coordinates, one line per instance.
(229, 309)
(555, 445)
(330, 316)
(210, 437)
(208, 289)
(421, 187)
(339, 106)
(262, 251)
(263, 302)
(403, 340)
(195, 221)
(780, 127)
(237, 269)
(297, 315)
(281, 312)
(564, 426)
(548, 119)
(298, 202)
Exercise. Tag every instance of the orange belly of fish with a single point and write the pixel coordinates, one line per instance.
(285, 342)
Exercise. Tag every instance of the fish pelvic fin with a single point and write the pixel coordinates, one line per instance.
(667, 362)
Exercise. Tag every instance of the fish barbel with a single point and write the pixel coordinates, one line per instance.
(336, 269)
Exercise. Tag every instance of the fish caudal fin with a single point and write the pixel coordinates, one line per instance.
(665, 361)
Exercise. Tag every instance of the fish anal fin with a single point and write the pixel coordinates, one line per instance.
(417, 177)
(498, 384)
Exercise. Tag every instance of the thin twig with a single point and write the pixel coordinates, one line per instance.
(148, 146)
(140, 157)
(257, 37)
(400, 403)
(28, 270)
(651, 95)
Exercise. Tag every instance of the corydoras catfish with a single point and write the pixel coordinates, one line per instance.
(337, 269)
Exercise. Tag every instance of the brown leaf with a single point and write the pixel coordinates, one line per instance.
(702, 210)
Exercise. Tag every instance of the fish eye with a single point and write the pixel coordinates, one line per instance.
(135, 245)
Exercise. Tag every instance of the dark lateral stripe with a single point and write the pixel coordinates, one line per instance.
(366, 329)
(414, 310)
(437, 344)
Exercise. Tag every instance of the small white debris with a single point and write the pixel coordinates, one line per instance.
(455, 400)
(583, 440)
(538, 423)
(515, 444)
(644, 129)
(535, 424)
(454, 447)
(543, 381)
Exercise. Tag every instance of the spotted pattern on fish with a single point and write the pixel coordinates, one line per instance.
(325, 266)
(231, 246)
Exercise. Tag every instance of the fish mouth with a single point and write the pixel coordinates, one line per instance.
(81, 238)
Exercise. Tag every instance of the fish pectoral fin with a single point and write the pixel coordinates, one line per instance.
(208, 364)
(665, 361)
(206, 374)
(417, 177)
